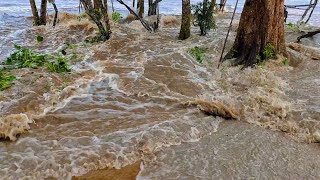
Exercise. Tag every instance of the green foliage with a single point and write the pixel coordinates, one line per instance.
(58, 64)
(25, 58)
(290, 24)
(197, 53)
(39, 38)
(5, 80)
(203, 17)
(285, 61)
(116, 16)
(268, 52)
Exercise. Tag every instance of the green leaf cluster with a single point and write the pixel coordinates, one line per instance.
(197, 53)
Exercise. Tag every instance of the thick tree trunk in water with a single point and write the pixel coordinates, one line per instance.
(34, 12)
(261, 23)
(43, 12)
(140, 8)
(186, 20)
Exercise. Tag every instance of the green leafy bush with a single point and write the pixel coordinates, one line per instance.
(268, 51)
(203, 17)
(5, 80)
(39, 38)
(285, 61)
(25, 58)
(116, 16)
(197, 53)
(58, 64)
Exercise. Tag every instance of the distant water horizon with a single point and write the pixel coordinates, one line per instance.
(21, 8)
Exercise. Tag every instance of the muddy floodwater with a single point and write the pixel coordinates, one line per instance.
(123, 105)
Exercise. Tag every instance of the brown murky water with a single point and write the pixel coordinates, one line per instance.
(122, 104)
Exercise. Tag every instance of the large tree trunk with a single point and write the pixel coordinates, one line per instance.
(186, 20)
(43, 12)
(261, 23)
(34, 12)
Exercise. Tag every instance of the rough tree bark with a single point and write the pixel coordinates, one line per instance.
(43, 12)
(186, 20)
(35, 14)
(261, 23)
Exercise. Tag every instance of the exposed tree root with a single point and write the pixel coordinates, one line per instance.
(214, 108)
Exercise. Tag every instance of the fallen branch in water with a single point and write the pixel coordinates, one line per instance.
(214, 108)
(309, 34)
(136, 15)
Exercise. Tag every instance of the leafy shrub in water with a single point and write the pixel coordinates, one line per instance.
(197, 53)
(39, 38)
(285, 61)
(203, 17)
(59, 64)
(5, 80)
(25, 58)
(116, 16)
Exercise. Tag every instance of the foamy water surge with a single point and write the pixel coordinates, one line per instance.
(123, 100)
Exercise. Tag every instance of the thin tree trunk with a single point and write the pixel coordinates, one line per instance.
(35, 14)
(140, 8)
(306, 11)
(88, 6)
(106, 16)
(137, 16)
(112, 6)
(153, 7)
(261, 23)
(43, 12)
(56, 14)
(314, 6)
(212, 6)
(186, 20)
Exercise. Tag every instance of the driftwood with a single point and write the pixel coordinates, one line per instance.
(136, 15)
(309, 34)
(214, 108)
